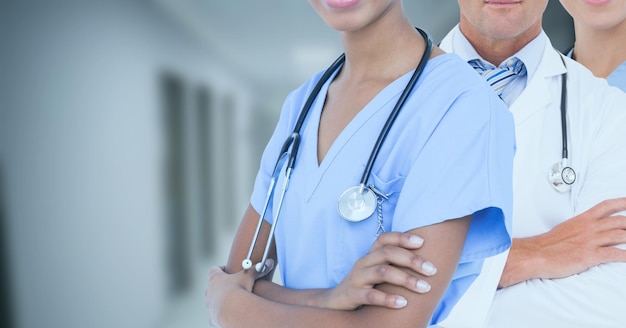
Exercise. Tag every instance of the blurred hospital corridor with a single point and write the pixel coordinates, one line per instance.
(130, 137)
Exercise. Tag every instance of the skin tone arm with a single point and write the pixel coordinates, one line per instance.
(231, 304)
(571, 247)
(358, 287)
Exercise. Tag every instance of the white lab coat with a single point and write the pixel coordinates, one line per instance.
(596, 115)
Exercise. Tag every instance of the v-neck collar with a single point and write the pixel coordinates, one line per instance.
(384, 100)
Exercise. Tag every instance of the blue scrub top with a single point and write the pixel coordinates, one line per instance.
(617, 78)
(449, 154)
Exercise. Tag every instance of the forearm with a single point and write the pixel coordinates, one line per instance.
(571, 247)
(524, 262)
(236, 306)
(245, 310)
(277, 293)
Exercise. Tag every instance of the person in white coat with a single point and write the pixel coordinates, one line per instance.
(565, 267)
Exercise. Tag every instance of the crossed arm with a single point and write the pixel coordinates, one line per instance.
(400, 289)
(571, 247)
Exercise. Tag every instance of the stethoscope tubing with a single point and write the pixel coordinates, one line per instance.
(247, 263)
(561, 175)
(394, 113)
(293, 142)
(564, 111)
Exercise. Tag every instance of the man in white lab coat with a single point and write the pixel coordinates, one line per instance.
(565, 268)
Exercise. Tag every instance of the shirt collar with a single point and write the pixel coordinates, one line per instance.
(530, 55)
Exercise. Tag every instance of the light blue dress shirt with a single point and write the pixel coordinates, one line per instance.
(449, 154)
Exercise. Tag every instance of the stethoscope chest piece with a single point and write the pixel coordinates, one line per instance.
(562, 177)
(357, 203)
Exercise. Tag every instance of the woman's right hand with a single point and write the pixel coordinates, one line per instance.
(388, 261)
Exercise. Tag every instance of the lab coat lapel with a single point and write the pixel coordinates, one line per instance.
(540, 92)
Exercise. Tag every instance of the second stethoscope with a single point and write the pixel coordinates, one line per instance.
(561, 175)
(356, 203)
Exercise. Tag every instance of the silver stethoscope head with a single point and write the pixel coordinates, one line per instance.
(561, 176)
(357, 203)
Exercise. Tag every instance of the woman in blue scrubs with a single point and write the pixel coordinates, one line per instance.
(444, 173)
(600, 28)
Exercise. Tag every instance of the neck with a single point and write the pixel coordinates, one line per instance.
(384, 51)
(601, 51)
(496, 50)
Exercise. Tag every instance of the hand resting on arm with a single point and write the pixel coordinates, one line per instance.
(571, 247)
(231, 304)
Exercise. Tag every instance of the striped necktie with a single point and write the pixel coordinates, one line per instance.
(499, 77)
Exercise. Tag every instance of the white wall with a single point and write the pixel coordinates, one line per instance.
(81, 157)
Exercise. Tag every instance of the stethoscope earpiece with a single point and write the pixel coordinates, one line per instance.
(260, 267)
(246, 264)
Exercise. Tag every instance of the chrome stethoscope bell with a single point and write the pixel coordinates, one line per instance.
(356, 203)
(562, 176)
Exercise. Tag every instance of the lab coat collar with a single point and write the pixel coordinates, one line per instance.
(540, 92)
(537, 94)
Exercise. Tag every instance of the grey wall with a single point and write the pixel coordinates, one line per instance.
(84, 156)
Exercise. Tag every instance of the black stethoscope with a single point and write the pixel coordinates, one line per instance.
(561, 175)
(356, 203)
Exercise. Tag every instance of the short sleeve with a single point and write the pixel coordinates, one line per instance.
(270, 157)
(286, 122)
(465, 168)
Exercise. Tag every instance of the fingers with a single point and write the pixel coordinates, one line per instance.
(392, 275)
(399, 239)
(214, 272)
(612, 254)
(612, 237)
(397, 256)
(607, 208)
(394, 248)
(616, 222)
(378, 298)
